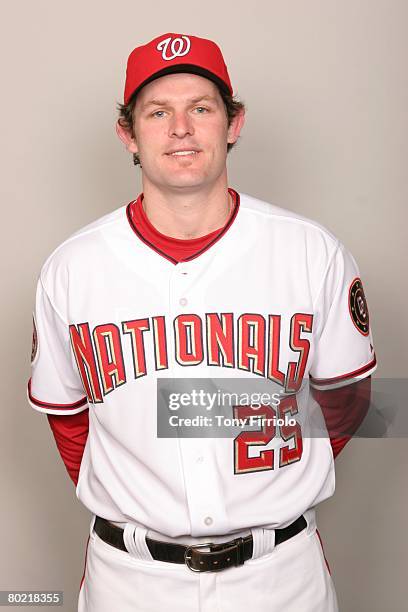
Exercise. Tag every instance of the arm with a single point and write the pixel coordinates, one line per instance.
(344, 410)
(55, 387)
(70, 433)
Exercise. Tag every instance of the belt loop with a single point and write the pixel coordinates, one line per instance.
(310, 516)
(134, 538)
(92, 524)
(263, 541)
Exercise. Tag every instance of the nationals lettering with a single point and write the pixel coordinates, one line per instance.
(250, 342)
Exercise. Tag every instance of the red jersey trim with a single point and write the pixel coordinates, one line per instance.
(221, 233)
(337, 379)
(85, 563)
(42, 404)
(324, 555)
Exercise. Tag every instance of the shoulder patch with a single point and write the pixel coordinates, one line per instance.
(358, 307)
(34, 347)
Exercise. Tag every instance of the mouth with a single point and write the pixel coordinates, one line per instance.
(187, 154)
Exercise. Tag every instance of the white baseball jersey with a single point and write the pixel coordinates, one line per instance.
(276, 297)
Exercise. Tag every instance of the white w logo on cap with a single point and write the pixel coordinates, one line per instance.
(178, 48)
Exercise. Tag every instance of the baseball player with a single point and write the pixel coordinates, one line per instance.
(195, 280)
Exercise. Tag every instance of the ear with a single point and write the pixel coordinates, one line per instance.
(126, 138)
(236, 126)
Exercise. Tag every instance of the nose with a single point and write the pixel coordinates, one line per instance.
(181, 124)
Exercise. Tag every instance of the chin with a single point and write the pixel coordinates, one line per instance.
(185, 184)
(190, 179)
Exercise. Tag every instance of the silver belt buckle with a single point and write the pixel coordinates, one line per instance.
(189, 552)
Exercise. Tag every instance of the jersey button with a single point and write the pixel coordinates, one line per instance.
(182, 269)
(183, 301)
(200, 459)
(208, 520)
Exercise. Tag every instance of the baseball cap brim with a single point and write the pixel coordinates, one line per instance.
(177, 68)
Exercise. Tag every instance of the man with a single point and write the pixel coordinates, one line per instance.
(195, 280)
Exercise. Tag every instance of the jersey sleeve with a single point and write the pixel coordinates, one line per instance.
(55, 386)
(344, 351)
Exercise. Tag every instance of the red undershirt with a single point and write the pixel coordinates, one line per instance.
(176, 248)
(71, 431)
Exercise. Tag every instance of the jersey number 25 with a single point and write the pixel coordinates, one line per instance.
(290, 433)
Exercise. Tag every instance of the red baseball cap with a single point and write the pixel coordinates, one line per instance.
(170, 53)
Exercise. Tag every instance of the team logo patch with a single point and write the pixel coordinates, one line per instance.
(178, 47)
(358, 307)
(34, 347)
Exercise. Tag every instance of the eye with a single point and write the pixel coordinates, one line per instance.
(155, 113)
(201, 108)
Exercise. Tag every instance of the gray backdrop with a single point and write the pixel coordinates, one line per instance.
(325, 85)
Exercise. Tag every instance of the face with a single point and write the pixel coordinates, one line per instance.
(181, 132)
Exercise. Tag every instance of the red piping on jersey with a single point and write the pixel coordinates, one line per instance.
(218, 233)
(86, 558)
(321, 544)
(336, 379)
(41, 404)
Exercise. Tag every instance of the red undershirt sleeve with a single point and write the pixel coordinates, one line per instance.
(344, 409)
(70, 433)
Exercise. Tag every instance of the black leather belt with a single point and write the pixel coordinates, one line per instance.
(219, 557)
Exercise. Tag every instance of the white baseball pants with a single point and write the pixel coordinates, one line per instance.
(291, 577)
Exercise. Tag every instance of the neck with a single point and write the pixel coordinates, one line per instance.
(187, 215)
